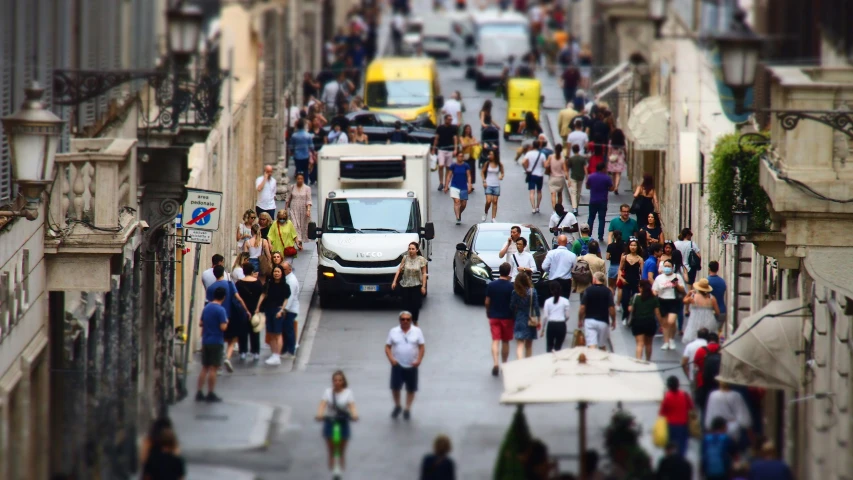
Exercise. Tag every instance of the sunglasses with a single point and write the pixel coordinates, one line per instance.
(633, 239)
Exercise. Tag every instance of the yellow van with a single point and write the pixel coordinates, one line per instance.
(406, 87)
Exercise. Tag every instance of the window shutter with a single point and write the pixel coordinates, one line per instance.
(62, 46)
(7, 58)
(761, 96)
(103, 42)
(87, 58)
(45, 33)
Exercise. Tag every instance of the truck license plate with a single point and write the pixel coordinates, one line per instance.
(369, 288)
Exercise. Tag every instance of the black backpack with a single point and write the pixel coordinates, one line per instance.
(711, 368)
(693, 260)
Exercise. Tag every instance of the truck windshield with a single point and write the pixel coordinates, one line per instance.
(369, 215)
(398, 93)
(502, 29)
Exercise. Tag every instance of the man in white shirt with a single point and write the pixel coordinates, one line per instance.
(562, 222)
(578, 137)
(266, 187)
(291, 310)
(453, 107)
(405, 351)
(685, 245)
(730, 405)
(690, 353)
(510, 247)
(559, 263)
(207, 276)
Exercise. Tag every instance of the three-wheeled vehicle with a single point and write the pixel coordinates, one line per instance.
(522, 95)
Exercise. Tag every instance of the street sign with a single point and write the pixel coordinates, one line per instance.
(178, 223)
(201, 210)
(199, 236)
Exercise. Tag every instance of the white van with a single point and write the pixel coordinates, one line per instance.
(499, 35)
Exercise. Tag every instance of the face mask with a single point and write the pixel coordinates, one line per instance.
(282, 220)
(667, 270)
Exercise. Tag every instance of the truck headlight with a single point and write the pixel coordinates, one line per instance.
(325, 252)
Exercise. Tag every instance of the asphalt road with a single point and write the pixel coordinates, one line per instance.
(458, 395)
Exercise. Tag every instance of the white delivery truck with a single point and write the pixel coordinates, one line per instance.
(373, 203)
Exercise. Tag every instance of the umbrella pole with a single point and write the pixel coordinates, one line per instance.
(582, 426)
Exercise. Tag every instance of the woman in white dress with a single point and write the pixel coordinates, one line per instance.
(244, 230)
(703, 310)
(522, 261)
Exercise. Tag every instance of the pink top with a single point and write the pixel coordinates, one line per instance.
(558, 166)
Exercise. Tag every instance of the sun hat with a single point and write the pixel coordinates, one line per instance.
(702, 286)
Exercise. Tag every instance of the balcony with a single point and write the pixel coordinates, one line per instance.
(809, 158)
(91, 215)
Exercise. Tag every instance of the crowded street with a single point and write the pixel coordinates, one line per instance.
(457, 395)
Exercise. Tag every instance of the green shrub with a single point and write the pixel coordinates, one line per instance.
(723, 189)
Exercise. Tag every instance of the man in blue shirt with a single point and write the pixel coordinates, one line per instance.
(214, 321)
(600, 185)
(719, 290)
(459, 182)
(231, 302)
(301, 146)
(650, 267)
(501, 321)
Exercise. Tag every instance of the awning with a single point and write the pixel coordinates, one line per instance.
(612, 74)
(763, 350)
(831, 266)
(623, 79)
(648, 124)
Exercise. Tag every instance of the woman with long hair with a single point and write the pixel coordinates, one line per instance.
(250, 290)
(651, 231)
(556, 315)
(359, 136)
(265, 222)
(530, 127)
(614, 252)
(493, 174)
(438, 465)
(645, 314)
(237, 268)
(257, 246)
(523, 302)
(467, 142)
(555, 167)
(647, 199)
(272, 301)
(244, 230)
(703, 310)
(616, 164)
(412, 275)
(337, 403)
(486, 116)
(630, 271)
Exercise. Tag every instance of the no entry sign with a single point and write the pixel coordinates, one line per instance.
(201, 210)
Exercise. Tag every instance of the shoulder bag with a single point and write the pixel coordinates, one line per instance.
(532, 320)
(288, 251)
(527, 174)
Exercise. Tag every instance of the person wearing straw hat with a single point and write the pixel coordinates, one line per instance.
(703, 310)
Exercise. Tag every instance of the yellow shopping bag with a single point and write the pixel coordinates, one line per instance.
(660, 433)
(476, 150)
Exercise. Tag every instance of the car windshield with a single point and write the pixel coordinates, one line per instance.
(494, 240)
(368, 215)
(502, 29)
(398, 93)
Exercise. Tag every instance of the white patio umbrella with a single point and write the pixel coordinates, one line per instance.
(581, 375)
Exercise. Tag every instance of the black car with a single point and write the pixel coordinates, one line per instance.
(477, 259)
(379, 125)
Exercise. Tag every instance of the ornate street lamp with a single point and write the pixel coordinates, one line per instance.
(184, 31)
(33, 133)
(657, 14)
(740, 50)
(740, 221)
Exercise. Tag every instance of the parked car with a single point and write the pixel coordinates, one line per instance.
(379, 125)
(477, 261)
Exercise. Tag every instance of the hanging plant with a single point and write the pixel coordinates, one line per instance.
(724, 188)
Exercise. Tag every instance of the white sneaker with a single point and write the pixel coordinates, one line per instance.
(493, 219)
(672, 345)
(665, 346)
(256, 357)
(624, 323)
(483, 219)
(273, 360)
(618, 308)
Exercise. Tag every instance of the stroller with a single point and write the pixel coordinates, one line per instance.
(490, 138)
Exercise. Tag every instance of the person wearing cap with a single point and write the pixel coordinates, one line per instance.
(596, 306)
(703, 310)
(578, 246)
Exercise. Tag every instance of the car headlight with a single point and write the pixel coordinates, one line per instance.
(480, 269)
(325, 252)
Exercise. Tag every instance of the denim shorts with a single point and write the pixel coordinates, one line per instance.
(328, 427)
(535, 183)
(612, 271)
(494, 191)
(460, 193)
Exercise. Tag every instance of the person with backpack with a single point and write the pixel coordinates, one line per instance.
(718, 452)
(689, 254)
(559, 264)
(594, 264)
(581, 245)
(707, 362)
